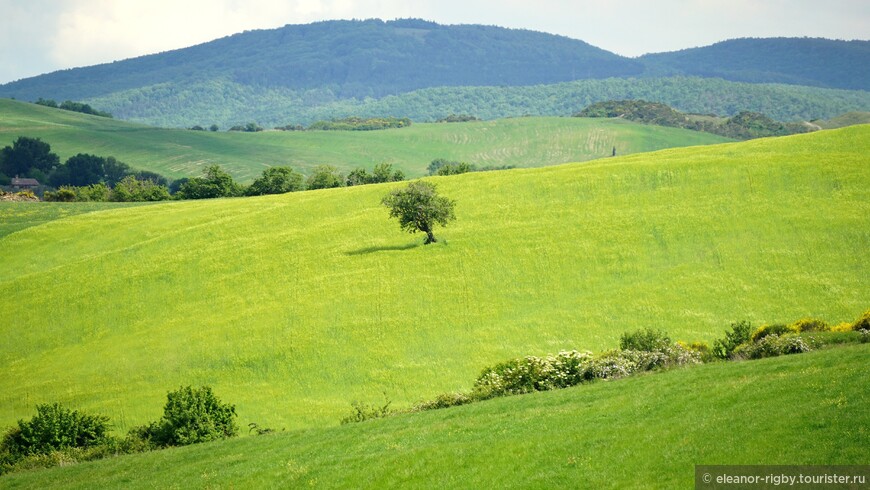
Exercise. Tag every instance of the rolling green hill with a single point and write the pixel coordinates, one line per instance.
(645, 432)
(292, 306)
(522, 142)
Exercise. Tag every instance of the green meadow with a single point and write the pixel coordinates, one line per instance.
(520, 142)
(643, 432)
(293, 306)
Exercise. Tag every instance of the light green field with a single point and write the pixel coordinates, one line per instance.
(644, 432)
(293, 306)
(521, 142)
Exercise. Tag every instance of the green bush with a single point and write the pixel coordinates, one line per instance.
(739, 334)
(55, 427)
(647, 340)
(363, 411)
(190, 416)
(775, 329)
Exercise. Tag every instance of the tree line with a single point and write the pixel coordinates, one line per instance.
(69, 105)
(744, 125)
(86, 177)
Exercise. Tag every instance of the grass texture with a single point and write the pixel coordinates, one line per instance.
(643, 432)
(521, 142)
(293, 306)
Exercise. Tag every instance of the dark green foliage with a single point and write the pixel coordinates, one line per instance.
(325, 177)
(215, 183)
(457, 118)
(26, 156)
(455, 168)
(83, 108)
(213, 128)
(276, 180)
(132, 189)
(647, 340)
(739, 334)
(47, 102)
(360, 124)
(64, 194)
(418, 207)
(363, 411)
(247, 128)
(638, 111)
(744, 125)
(800, 61)
(190, 416)
(442, 166)
(114, 171)
(383, 172)
(55, 427)
(80, 170)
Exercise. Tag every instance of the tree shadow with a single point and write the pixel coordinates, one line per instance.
(387, 248)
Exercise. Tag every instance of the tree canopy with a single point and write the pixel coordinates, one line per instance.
(418, 207)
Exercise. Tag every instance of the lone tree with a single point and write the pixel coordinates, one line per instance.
(418, 207)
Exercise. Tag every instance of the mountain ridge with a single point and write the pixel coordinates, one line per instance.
(282, 73)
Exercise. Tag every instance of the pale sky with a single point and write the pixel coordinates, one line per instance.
(40, 36)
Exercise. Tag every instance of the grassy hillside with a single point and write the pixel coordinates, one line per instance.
(646, 432)
(293, 306)
(524, 142)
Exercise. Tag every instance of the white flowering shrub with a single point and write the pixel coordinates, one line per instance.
(771, 346)
(531, 373)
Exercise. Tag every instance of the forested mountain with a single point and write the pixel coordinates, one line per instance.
(797, 61)
(298, 74)
(226, 103)
(350, 58)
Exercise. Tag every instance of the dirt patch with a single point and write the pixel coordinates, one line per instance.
(18, 197)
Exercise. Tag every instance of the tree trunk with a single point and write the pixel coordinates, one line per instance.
(430, 238)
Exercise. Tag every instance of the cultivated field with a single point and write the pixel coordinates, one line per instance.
(521, 142)
(293, 306)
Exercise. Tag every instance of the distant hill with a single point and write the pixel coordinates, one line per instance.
(369, 58)
(301, 73)
(797, 61)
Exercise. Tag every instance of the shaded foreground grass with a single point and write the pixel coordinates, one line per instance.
(293, 306)
(642, 432)
(521, 142)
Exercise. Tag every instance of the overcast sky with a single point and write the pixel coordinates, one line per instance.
(40, 36)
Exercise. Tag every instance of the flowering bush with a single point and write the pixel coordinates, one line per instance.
(771, 346)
